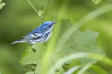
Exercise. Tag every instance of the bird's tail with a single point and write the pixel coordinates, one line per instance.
(17, 42)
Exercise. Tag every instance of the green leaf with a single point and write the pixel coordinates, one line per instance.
(33, 58)
(70, 42)
(70, 71)
(1, 4)
(86, 67)
(101, 58)
(78, 42)
(98, 69)
(96, 1)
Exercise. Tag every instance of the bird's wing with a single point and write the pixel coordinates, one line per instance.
(32, 36)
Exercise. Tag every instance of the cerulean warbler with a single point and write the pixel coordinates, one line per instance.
(38, 35)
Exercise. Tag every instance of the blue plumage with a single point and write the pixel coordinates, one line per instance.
(39, 35)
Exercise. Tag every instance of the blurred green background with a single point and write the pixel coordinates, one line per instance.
(17, 18)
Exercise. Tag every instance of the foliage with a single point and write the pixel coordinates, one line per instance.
(96, 1)
(1, 4)
(81, 42)
(68, 47)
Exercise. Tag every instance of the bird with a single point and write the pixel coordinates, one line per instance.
(39, 35)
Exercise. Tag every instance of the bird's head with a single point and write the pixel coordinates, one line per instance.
(47, 26)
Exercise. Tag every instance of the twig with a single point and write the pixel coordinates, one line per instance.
(44, 12)
(34, 8)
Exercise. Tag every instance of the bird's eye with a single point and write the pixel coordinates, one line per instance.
(49, 25)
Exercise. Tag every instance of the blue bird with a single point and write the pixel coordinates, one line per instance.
(38, 35)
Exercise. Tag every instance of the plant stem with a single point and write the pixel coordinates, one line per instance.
(52, 43)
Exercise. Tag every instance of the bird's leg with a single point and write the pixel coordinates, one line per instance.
(44, 44)
(33, 49)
